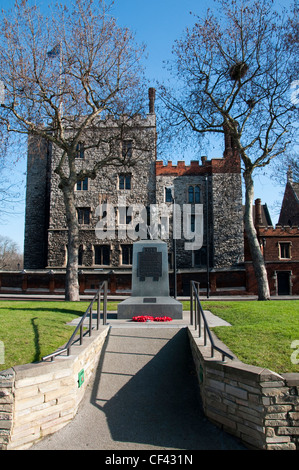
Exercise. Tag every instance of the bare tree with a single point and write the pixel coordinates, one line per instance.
(10, 195)
(10, 256)
(62, 74)
(287, 165)
(233, 75)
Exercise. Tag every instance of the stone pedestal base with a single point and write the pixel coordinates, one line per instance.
(153, 306)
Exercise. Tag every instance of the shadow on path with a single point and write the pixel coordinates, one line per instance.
(159, 405)
(144, 396)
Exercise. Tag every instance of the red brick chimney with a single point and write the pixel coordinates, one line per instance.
(258, 213)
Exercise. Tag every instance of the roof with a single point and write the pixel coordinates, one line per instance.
(289, 213)
(266, 218)
(265, 214)
(295, 187)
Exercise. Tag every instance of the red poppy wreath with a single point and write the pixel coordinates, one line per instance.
(145, 318)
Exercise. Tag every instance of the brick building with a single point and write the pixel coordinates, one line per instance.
(289, 213)
(215, 184)
(279, 245)
(282, 255)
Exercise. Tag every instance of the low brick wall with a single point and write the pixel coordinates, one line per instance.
(257, 405)
(38, 399)
(42, 282)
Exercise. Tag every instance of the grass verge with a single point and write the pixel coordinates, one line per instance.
(262, 333)
(31, 330)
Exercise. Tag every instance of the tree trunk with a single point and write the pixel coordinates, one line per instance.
(71, 281)
(255, 251)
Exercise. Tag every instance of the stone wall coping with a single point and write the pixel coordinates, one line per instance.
(239, 368)
(6, 373)
(27, 371)
(256, 404)
(46, 390)
(292, 379)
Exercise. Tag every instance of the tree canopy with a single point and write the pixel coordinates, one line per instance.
(62, 74)
(233, 73)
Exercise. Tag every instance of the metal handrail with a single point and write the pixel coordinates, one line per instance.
(196, 312)
(97, 298)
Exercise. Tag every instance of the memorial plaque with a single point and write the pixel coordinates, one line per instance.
(149, 264)
(149, 297)
(149, 300)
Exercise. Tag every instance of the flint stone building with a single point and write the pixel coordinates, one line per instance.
(215, 183)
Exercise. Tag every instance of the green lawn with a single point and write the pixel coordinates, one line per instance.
(261, 333)
(30, 330)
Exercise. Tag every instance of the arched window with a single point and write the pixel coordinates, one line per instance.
(194, 194)
(191, 194)
(102, 255)
(197, 194)
(168, 194)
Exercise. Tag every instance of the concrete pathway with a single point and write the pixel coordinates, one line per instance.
(144, 396)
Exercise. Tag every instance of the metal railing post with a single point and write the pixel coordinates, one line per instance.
(90, 319)
(79, 327)
(196, 309)
(105, 303)
(199, 317)
(99, 310)
(81, 333)
(191, 303)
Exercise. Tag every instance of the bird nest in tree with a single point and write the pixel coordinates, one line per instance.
(238, 70)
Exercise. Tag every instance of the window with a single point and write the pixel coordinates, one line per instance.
(190, 194)
(168, 195)
(194, 194)
(284, 250)
(197, 194)
(196, 258)
(82, 185)
(102, 255)
(199, 257)
(127, 254)
(83, 215)
(192, 222)
(80, 255)
(124, 181)
(127, 148)
(80, 150)
(123, 217)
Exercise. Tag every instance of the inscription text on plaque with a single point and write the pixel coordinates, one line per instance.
(149, 264)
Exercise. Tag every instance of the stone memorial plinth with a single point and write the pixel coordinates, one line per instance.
(150, 283)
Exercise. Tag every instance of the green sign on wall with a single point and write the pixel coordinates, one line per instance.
(81, 378)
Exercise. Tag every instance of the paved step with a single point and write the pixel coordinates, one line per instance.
(144, 396)
(112, 320)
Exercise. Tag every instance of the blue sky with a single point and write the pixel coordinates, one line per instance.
(157, 24)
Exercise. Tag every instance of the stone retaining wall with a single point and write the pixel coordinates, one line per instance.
(38, 399)
(257, 405)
